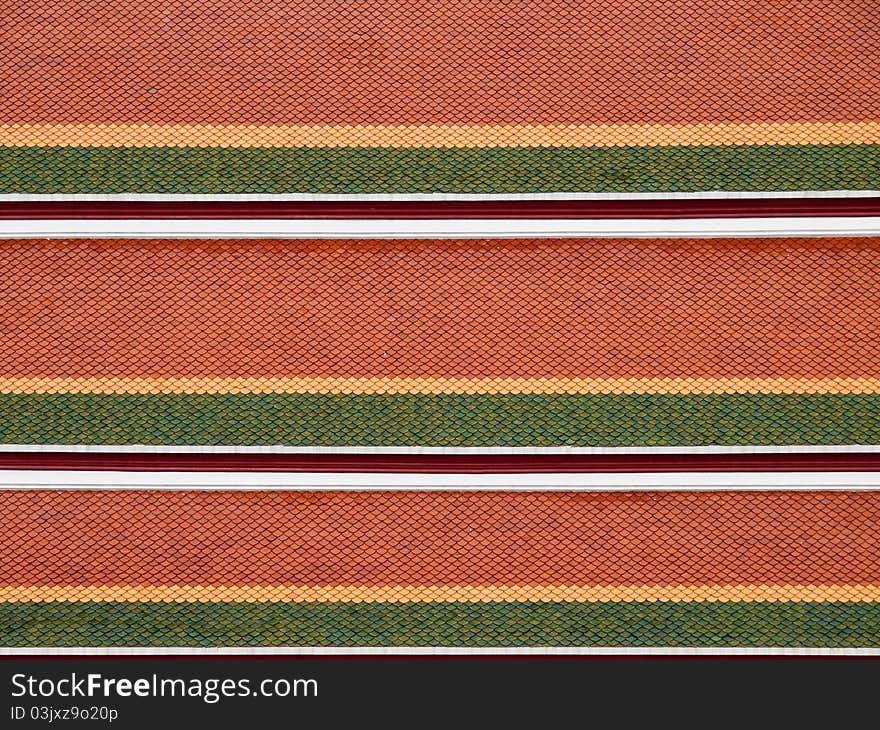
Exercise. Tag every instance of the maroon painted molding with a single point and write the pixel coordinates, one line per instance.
(663, 208)
(441, 463)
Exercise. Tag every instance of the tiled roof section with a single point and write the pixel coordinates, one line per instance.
(589, 342)
(383, 96)
(429, 568)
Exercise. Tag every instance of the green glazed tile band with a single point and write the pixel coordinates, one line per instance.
(441, 420)
(631, 624)
(422, 170)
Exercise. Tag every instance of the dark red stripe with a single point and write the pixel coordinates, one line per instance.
(665, 208)
(442, 463)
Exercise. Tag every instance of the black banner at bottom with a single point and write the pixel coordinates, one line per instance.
(407, 691)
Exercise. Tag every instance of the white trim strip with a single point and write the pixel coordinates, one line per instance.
(435, 651)
(442, 228)
(435, 450)
(36, 479)
(306, 197)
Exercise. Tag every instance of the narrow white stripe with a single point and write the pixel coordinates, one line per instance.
(452, 228)
(436, 450)
(437, 651)
(707, 195)
(246, 480)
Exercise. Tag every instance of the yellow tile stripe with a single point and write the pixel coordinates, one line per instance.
(438, 135)
(429, 593)
(427, 385)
